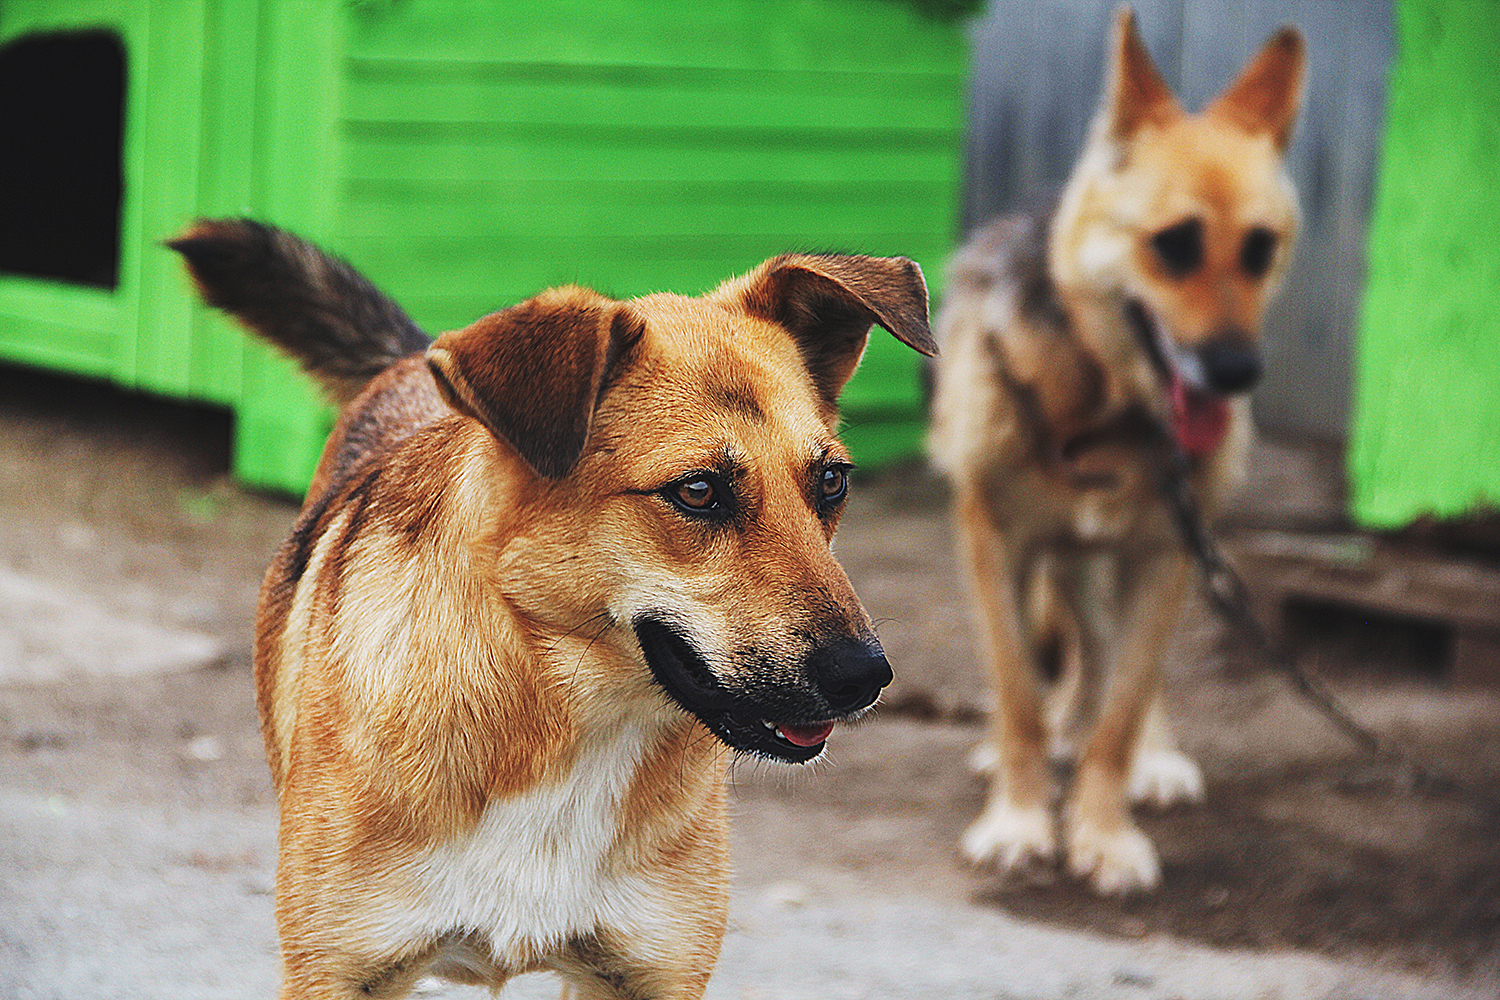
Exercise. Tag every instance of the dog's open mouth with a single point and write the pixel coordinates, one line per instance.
(1200, 417)
(775, 726)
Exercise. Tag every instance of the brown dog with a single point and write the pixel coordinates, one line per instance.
(549, 568)
(1072, 345)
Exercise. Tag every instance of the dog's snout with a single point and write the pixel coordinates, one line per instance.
(1230, 366)
(849, 674)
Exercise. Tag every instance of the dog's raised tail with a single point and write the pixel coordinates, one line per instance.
(316, 308)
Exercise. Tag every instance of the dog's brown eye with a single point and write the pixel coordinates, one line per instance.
(833, 485)
(1180, 247)
(698, 494)
(1258, 251)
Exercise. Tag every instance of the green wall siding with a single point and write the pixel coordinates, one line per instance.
(494, 149)
(1427, 397)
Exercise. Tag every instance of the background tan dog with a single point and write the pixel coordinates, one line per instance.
(542, 566)
(1069, 343)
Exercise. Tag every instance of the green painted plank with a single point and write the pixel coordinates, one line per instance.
(280, 423)
(706, 135)
(861, 190)
(166, 189)
(58, 325)
(300, 94)
(216, 366)
(763, 35)
(382, 156)
(1426, 422)
(755, 102)
(603, 223)
(90, 309)
(494, 67)
(878, 440)
(620, 265)
(53, 345)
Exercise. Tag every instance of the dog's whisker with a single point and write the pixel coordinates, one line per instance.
(552, 647)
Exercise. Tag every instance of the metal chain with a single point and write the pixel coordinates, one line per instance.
(1226, 592)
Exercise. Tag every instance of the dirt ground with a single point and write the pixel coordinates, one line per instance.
(121, 529)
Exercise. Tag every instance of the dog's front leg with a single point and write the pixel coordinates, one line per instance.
(669, 961)
(1160, 774)
(664, 939)
(1104, 844)
(1016, 825)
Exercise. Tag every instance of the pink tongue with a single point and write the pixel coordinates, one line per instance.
(805, 736)
(1199, 418)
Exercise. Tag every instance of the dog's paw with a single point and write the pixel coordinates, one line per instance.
(1008, 838)
(1162, 778)
(984, 759)
(1115, 861)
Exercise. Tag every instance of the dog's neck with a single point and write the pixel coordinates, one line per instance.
(1073, 370)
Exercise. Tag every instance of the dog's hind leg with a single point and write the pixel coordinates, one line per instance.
(1104, 844)
(1016, 825)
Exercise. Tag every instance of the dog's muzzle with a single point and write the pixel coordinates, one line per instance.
(762, 713)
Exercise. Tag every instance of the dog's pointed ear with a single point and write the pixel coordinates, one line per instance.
(1268, 93)
(533, 373)
(1134, 92)
(828, 302)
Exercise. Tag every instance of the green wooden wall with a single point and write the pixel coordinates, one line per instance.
(467, 153)
(1426, 430)
(491, 149)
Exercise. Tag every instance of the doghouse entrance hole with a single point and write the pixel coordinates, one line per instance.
(62, 108)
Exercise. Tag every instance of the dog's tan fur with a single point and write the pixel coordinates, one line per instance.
(1043, 415)
(479, 774)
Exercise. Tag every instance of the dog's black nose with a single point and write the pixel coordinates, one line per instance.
(1230, 368)
(849, 674)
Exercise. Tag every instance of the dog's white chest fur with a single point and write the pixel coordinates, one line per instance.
(533, 872)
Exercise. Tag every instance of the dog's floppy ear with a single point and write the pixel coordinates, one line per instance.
(1268, 92)
(533, 373)
(1134, 92)
(828, 303)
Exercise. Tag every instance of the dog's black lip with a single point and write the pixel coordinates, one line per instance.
(689, 681)
(1139, 317)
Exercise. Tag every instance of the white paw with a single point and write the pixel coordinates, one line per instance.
(984, 758)
(1162, 777)
(1008, 838)
(1115, 862)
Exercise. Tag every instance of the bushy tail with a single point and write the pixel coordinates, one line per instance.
(313, 306)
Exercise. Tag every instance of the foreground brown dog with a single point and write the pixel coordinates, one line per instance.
(544, 563)
(1069, 343)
